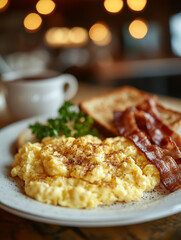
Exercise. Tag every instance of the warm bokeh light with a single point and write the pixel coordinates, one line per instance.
(32, 22)
(136, 5)
(57, 36)
(3, 4)
(65, 37)
(138, 29)
(100, 34)
(78, 35)
(45, 7)
(113, 6)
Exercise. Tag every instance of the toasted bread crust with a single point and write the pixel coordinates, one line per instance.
(173, 118)
(101, 108)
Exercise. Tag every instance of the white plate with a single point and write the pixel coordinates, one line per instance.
(12, 199)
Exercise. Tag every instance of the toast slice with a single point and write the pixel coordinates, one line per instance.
(101, 108)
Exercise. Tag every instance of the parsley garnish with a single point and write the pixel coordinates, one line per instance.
(81, 124)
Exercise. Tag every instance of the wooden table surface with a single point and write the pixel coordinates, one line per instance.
(13, 227)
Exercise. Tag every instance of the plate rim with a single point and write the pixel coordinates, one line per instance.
(83, 223)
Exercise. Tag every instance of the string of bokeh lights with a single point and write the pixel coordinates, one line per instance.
(99, 33)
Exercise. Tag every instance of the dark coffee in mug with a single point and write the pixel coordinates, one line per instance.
(38, 77)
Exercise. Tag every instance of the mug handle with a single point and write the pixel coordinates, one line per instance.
(72, 86)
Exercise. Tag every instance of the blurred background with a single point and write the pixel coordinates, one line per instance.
(101, 42)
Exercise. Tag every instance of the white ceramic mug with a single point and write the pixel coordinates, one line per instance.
(28, 95)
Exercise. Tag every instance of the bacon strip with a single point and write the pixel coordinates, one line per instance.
(160, 133)
(158, 142)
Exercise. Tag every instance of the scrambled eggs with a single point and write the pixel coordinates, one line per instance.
(85, 172)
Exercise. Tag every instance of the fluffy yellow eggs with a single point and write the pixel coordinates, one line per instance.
(85, 172)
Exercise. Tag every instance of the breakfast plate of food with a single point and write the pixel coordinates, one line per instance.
(114, 160)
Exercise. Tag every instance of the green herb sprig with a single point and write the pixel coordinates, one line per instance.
(81, 124)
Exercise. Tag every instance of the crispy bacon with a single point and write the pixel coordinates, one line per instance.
(160, 133)
(160, 144)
